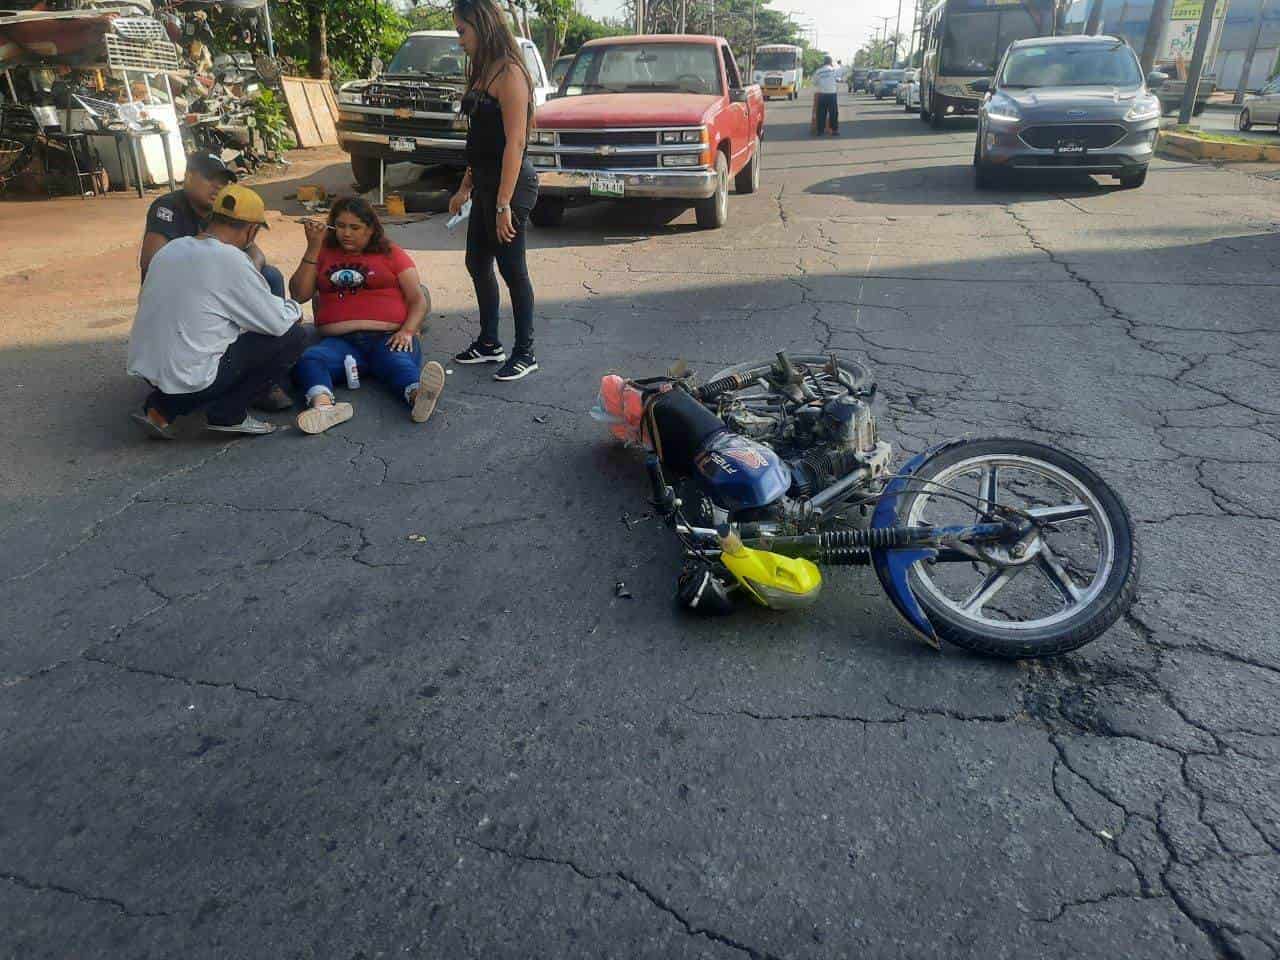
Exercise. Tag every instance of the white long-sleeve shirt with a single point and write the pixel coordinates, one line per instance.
(825, 79)
(200, 294)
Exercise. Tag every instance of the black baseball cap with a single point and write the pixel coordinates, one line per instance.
(211, 166)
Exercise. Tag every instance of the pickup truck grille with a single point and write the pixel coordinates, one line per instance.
(425, 99)
(1096, 136)
(609, 138)
(641, 161)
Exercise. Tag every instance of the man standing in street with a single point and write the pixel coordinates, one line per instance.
(209, 332)
(825, 81)
(184, 213)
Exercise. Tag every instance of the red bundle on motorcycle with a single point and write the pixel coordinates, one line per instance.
(620, 405)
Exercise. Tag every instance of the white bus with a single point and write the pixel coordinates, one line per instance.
(779, 69)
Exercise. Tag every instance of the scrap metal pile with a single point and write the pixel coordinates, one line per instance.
(160, 65)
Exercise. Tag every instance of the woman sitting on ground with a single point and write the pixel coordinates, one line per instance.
(369, 305)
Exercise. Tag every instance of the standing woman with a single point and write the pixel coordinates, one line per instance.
(500, 181)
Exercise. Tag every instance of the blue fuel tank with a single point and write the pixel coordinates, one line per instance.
(739, 474)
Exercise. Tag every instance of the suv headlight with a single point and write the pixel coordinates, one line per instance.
(351, 93)
(1143, 109)
(1003, 110)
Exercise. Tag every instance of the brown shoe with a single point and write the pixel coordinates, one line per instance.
(274, 400)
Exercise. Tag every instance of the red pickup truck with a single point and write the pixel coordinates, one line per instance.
(649, 118)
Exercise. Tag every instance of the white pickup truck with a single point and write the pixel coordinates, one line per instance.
(412, 112)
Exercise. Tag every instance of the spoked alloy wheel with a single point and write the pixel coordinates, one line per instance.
(1058, 591)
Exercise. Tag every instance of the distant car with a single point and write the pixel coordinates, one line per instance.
(559, 67)
(858, 79)
(1262, 108)
(908, 78)
(1073, 103)
(873, 76)
(911, 91)
(887, 83)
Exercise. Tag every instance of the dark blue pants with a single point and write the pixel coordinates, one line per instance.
(321, 363)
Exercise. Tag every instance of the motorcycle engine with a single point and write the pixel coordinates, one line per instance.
(842, 434)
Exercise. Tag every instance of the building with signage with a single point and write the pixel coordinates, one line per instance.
(1128, 18)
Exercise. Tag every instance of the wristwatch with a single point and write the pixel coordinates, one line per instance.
(503, 208)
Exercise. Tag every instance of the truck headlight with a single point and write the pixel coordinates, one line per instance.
(693, 136)
(354, 97)
(681, 160)
(542, 159)
(544, 137)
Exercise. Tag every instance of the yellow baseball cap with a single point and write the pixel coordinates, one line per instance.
(240, 203)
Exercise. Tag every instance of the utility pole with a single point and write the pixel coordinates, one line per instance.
(1248, 57)
(1155, 30)
(897, 35)
(884, 36)
(1095, 18)
(1197, 61)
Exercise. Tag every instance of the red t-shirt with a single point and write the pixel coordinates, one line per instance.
(361, 286)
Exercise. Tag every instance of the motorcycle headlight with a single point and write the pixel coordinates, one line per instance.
(1003, 110)
(351, 95)
(1143, 109)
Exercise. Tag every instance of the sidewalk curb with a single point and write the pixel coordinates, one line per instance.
(1182, 146)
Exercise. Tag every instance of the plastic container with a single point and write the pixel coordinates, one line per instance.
(353, 373)
(395, 205)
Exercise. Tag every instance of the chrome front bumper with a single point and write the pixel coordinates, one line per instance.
(384, 140)
(638, 184)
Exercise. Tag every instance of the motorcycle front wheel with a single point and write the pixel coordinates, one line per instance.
(1063, 589)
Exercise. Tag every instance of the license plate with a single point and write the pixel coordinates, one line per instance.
(606, 185)
(403, 144)
(1070, 146)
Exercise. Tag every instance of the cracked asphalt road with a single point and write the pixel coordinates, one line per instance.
(243, 714)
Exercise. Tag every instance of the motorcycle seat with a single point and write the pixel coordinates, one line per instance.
(681, 427)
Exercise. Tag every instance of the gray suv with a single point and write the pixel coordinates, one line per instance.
(1077, 104)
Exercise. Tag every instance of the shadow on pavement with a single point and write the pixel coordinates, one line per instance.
(933, 185)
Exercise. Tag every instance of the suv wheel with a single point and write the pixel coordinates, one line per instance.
(936, 116)
(365, 170)
(713, 213)
(1245, 121)
(1134, 180)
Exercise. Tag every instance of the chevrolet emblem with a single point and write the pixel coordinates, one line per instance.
(403, 113)
(606, 151)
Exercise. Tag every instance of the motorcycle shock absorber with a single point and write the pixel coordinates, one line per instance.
(709, 391)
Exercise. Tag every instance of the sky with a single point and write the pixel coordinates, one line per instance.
(842, 25)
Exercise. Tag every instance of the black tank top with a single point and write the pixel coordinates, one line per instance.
(486, 137)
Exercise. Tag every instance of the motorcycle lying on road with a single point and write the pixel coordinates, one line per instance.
(1002, 546)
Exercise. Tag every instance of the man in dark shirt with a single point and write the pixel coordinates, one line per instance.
(185, 213)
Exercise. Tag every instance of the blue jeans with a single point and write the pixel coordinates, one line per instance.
(324, 361)
(275, 280)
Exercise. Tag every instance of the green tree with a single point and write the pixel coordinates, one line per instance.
(337, 39)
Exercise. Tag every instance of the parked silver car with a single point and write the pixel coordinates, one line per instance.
(1262, 108)
(1073, 103)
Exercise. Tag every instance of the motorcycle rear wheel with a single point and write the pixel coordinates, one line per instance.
(1085, 577)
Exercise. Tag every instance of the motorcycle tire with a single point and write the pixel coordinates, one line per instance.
(853, 374)
(1103, 608)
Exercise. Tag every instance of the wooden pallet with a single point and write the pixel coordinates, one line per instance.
(314, 110)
